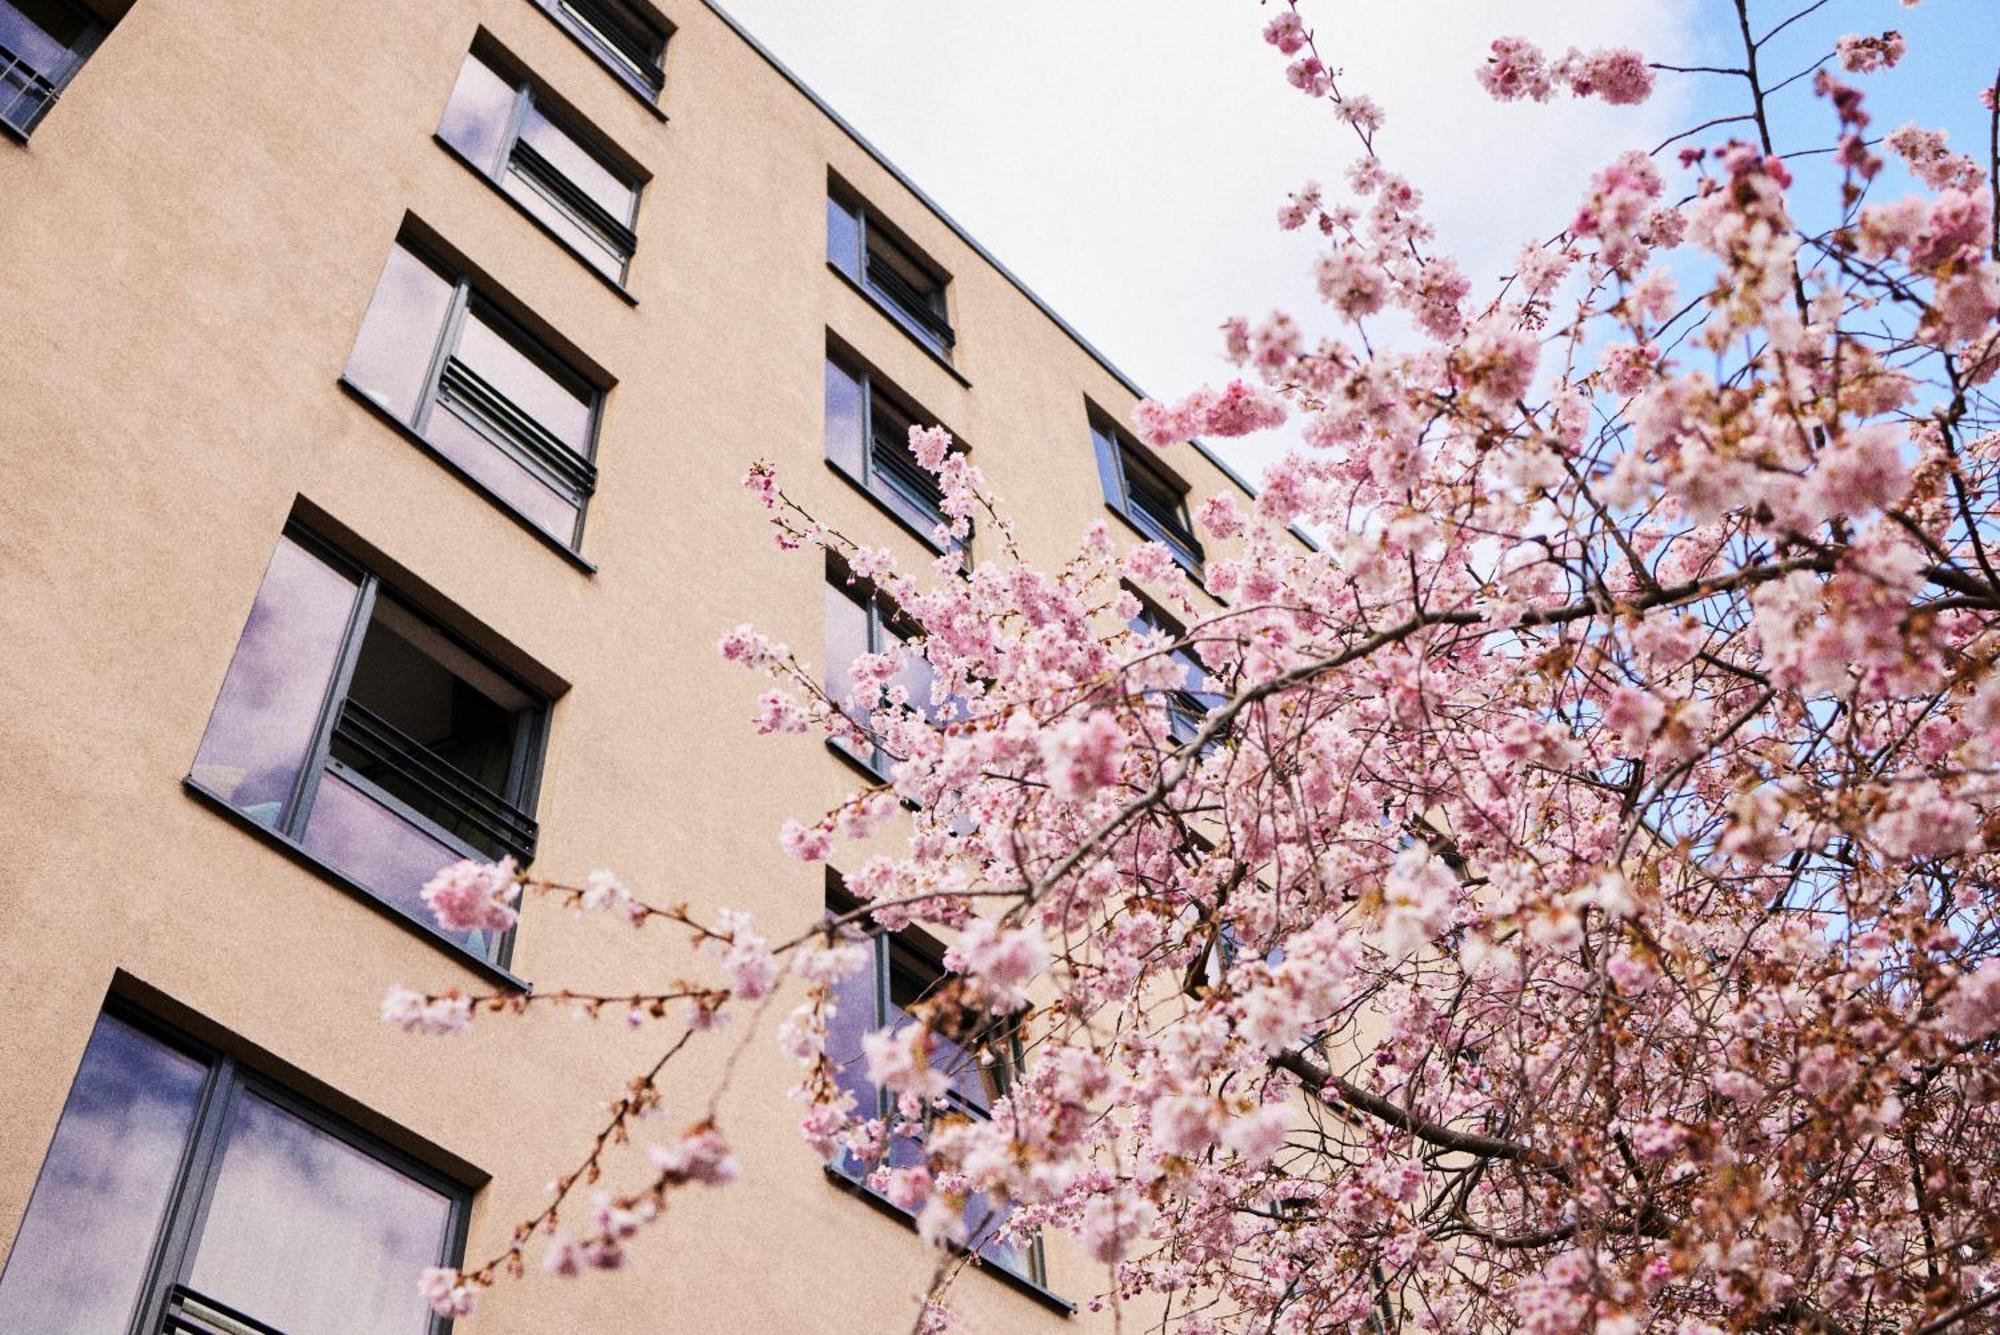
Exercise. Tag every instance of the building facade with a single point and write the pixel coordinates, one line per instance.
(378, 380)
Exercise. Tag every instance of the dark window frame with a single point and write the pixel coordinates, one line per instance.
(516, 154)
(1120, 461)
(39, 90)
(487, 412)
(1186, 708)
(871, 267)
(621, 38)
(164, 1289)
(902, 488)
(524, 767)
(884, 620)
(924, 953)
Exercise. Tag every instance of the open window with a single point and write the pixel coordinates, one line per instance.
(371, 738)
(868, 441)
(907, 970)
(626, 39)
(43, 43)
(439, 355)
(185, 1194)
(512, 132)
(1139, 488)
(903, 282)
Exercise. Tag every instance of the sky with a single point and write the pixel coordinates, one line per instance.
(1126, 158)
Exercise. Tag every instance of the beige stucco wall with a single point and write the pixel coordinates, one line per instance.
(186, 248)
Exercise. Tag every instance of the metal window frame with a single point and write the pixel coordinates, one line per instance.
(524, 766)
(879, 483)
(930, 957)
(171, 1255)
(40, 89)
(1187, 709)
(607, 32)
(927, 317)
(572, 477)
(1117, 459)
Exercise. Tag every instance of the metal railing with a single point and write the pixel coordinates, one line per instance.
(25, 92)
(561, 191)
(563, 469)
(382, 744)
(190, 1313)
(908, 298)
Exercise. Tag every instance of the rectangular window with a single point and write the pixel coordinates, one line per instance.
(1151, 499)
(43, 43)
(576, 190)
(868, 440)
(906, 970)
(859, 621)
(182, 1193)
(906, 285)
(1188, 705)
(369, 737)
(497, 405)
(628, 43)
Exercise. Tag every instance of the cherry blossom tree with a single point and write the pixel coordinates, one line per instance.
(1571, 906)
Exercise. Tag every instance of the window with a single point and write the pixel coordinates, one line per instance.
(907, 286)
(907, 971)
(577, 191)
(183, 1194)
(1187, 706)
(43, 43)
(359, 732)
(492, 401)
(1151, 499)
(626, 41)
(859, 621)
(868, 439)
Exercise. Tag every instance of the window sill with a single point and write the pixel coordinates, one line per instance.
(1188, 563)
(340, 880)
(402, 429)
(551, 233)
(650, 102)
(889, 313)
(1019, 1283)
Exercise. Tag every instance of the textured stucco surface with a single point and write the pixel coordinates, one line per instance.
(189, 243)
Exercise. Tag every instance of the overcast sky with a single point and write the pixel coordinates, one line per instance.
(1126, 157)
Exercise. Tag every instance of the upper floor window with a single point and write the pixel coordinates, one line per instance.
(860, 621)
(1188, 704)
(979, 1062)
(868, 439)
(492, 400)
(905, 284)
(358, 730)
(629, 42)
(1139, 488)
(182, 1193)
(43, 43)
(552, 170)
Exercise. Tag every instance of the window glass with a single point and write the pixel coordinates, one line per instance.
(578, 164)
(80, 1258)
(593, 245)
(619, 35)
(846, 421)
(843, 238)
(476, 119)
(268, 712)
(42, 32)
(391, 361)
(311, 1235)
(495, 469)
(379, 848)
(523, 379)
(846, 640)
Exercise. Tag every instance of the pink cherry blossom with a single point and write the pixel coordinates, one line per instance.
(474, 896)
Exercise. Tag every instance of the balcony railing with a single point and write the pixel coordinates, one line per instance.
(383, 746)
(189, 1313)
(560, 191)
(559, 467)
(909, 299)
(25, 93)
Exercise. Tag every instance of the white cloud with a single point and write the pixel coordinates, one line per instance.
(1126, 157)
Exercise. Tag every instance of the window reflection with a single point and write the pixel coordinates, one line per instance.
(81, 1255)
(311, 1235)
